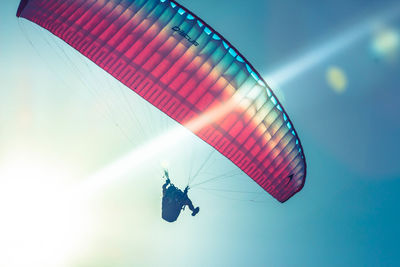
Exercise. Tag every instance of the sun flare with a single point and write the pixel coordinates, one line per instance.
(41, 225)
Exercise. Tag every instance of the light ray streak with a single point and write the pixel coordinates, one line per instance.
(171, 138)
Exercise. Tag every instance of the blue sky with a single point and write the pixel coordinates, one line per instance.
(335, 68)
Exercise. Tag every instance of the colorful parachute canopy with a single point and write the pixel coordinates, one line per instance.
(179, 64)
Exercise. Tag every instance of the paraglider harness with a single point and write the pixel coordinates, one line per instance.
(174, 201)
(173, 188)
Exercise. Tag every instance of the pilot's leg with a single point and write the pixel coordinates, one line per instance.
(189, 203)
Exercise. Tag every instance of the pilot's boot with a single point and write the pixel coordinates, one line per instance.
(195, 211)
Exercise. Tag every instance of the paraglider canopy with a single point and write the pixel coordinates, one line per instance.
(182, 66)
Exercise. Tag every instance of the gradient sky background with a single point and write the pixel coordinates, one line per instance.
(334, 66)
